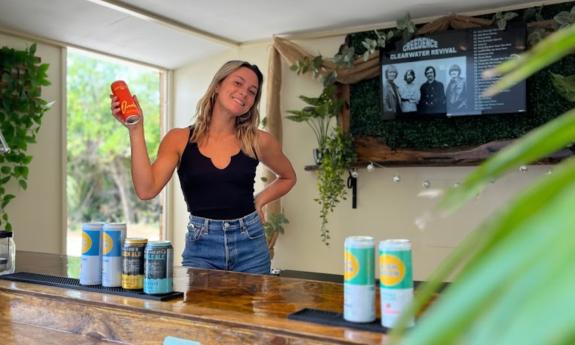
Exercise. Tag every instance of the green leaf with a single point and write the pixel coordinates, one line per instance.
(501, 251)
(563, 18)
(553, 48)
(510, 15)
(565, 86)
(7, 198)
(23, 184)
(538, 143)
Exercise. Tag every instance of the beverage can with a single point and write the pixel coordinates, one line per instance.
(158, 273)
(130, 111)
(113, 236)
(359, 279)
(396, 279)
(133, 263)
(91, 260)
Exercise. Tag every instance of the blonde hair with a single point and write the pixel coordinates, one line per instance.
(246, 124)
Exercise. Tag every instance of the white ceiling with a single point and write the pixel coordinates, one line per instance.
(172, 33)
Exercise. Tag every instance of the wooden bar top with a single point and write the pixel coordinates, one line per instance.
(217, 308)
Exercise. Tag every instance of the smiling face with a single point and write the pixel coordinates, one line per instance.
(237, 92)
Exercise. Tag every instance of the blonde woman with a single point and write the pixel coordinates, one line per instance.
(216, 160)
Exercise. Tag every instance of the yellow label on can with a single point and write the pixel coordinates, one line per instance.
(392, 270)
(132, 282)
(108, 243)
(86, 242)
(351, 266)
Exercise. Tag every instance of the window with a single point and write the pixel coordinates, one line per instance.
(98, 180)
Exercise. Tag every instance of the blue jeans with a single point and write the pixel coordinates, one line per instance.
(233, 245)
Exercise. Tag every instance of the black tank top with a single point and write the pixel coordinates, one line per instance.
(217, 193)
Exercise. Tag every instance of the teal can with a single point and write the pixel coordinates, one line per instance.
(359, 279)
(395, 280)
(158, 268)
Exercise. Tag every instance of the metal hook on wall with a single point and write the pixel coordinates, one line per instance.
(352, 184)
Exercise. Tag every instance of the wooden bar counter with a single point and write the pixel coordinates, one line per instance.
(217, 308)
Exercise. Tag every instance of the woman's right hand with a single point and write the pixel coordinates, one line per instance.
(117, 112)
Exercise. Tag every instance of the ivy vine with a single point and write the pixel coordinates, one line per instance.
(21, 111)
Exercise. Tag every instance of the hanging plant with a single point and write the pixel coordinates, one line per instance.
(21, 111)
(337, 156)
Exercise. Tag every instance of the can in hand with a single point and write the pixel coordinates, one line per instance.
(130, 111)
(395, 280)
(359, 279)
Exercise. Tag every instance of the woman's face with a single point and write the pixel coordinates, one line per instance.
(237, 92)
(391, 74)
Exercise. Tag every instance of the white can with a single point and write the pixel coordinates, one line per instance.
(113, 236)
(91, 260)
(395, 280)
(359, 279)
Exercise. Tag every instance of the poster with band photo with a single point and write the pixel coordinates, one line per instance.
(440, 75)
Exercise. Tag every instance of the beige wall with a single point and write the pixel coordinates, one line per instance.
(36, 213)
(386, 209)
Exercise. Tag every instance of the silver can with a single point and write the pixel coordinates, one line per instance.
(359, 279)
(113, 236)
(91, 260)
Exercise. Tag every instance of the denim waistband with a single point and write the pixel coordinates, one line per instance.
(230, 224)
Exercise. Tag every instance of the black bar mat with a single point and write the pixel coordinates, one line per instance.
(71, 283)
(334, 319)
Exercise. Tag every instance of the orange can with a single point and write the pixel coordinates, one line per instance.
(130, 112)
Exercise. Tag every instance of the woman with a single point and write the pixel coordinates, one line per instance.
(216, 160)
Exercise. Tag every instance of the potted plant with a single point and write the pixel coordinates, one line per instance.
(334, 154)
(21, 111)
(337, 156)
(273, 227)
(318, 115)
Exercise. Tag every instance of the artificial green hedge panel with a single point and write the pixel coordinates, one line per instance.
(543, 104)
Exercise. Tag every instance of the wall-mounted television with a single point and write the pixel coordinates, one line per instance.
(440, 74)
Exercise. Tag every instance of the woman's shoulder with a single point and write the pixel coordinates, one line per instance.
(177, 137)
(264, 137)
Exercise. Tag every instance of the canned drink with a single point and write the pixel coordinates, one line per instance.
(91, 260)
(130, 112)
(133, 263)
(396, 280)
(158, 274)
(359, 279)
(113, 236)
